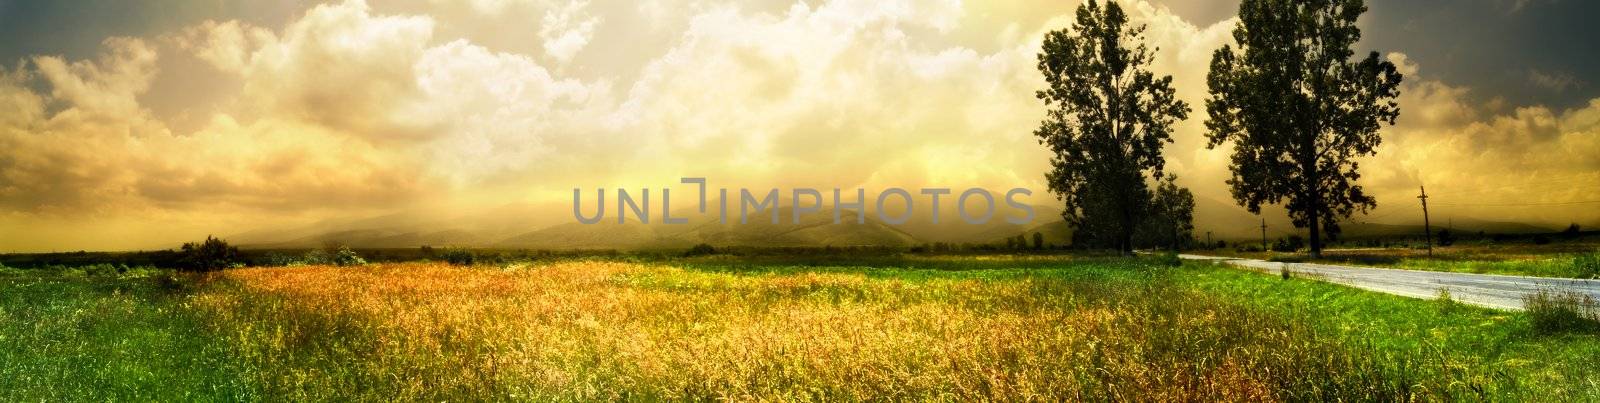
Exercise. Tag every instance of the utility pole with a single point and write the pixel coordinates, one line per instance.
(1263, 234)
(1427, 231)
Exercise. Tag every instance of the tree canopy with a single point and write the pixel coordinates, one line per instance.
(1108, 120)
(1298, 110)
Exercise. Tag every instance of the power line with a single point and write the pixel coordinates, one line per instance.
(1515, 204)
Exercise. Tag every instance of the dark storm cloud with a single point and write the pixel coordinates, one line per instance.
(1527, 52)
(75, 28)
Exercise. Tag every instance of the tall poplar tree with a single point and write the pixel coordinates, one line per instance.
(1299, 111)
(1108, 119)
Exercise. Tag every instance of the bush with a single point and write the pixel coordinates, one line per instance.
(10, 271)
(1169, 259)
(1446, 302)
(104, 269)
(317, 257)
(1291, 244)
(1556, 312)
(274, 259)
(706, 249)
(1541, 240)
(1446, 238)
(210, 255)
(1587, 265)
(459, 257)
(346, 257)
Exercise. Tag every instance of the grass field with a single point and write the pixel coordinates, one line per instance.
(775, 328)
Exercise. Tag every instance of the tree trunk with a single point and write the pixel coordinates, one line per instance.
(1316, 223)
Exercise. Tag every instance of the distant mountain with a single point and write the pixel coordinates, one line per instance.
(406, 229)
(377, 239)
(953, 229)
(814, 229)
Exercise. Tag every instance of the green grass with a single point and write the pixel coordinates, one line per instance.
(1493, 352)
(1060, 327)
(1556, 265)
(1568, 261)
(68, 335)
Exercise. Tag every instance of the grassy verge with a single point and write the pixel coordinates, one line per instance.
(1563, 264)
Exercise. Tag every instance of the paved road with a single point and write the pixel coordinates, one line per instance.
(1494, 291)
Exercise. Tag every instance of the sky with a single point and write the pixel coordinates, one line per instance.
(131, 124)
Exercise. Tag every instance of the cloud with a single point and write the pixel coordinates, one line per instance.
(347, 110)
(1402, 63)
(1478, 160)
(1555, 81)
(567, 30)
(106, 87)
(87, 147)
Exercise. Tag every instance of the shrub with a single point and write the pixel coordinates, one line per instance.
(1168, 259)
(1587, 265)
(210, 255)
(459, 257)
(706, 249)
(346, 257)
(316, 257)
(1446, 238)
(1557, 312)
(104, 269)
(10, 271)
(276, 259)
(1446, 302)
(1541, 240)
(1290, 244)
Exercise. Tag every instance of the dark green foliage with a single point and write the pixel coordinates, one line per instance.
(1572, 231)
(1560, 312)
(700, 250)
(1298, 110)
(1446, 238)
(459, 257)
(1038, 241)
(272, 259)
(317, 256)
(1108, 118)
(1170, 223)
(209, 255)
(1169, 259)
(1290, 244)
(346, 257)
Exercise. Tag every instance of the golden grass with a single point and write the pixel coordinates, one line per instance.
(608, 330)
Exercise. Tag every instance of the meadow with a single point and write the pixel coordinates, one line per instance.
(794, 328)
